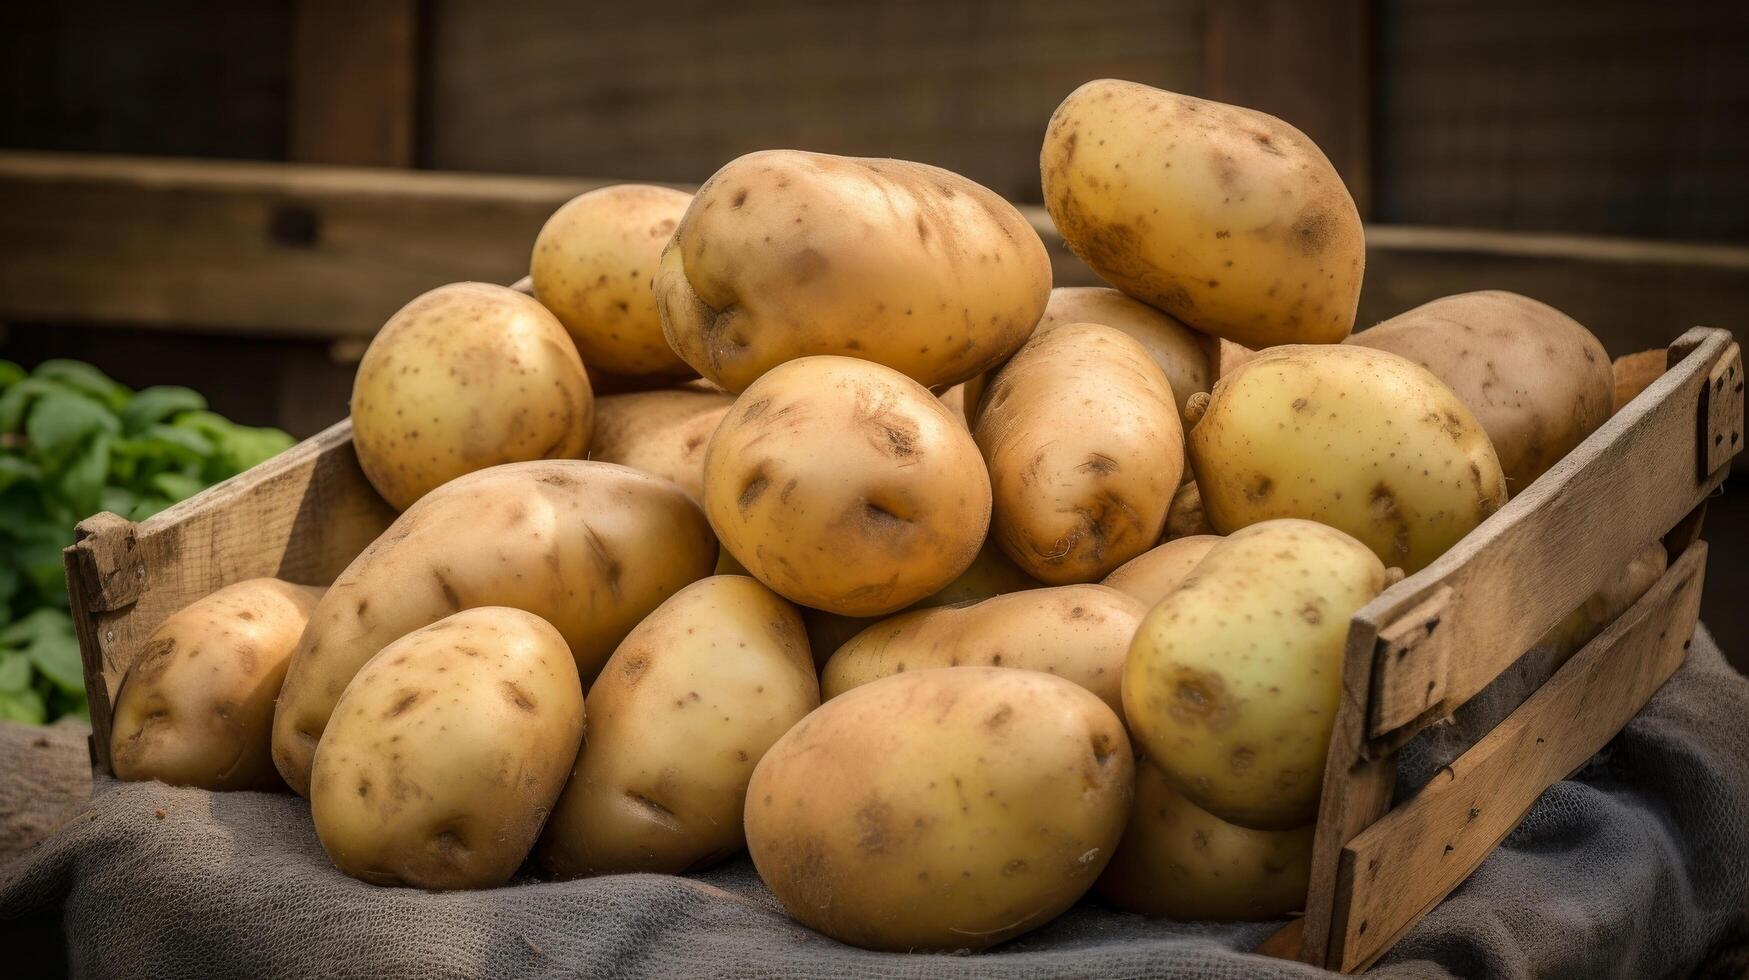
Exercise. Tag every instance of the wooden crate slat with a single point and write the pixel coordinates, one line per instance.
(1722, 436)
(1398, 869)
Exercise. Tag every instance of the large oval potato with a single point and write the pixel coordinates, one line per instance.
(945, 809)
(1180, 861)
(1154, 574)
(1536, 380)
(1233, 680)
(467, 376)
(1084, 446)
(447, 751)
(681, 714)
(1181, 353)
(589, 547)
(1362, 440)
(196, 706)
(592, 266)
(1229, 219)
(663, 433)
(784, 254)
(846, 486)
(1079, 632)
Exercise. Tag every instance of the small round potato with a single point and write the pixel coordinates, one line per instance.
(1634, 373)
(592, 266)
(447, 751)
(663, 433)
(784, 254)
(1185, 518)
(1180, 861)
(1081, 435)
(1182, 353)
(1536, 380)
(684, 710)
(196, 707)
(1153, 575)
(1233, 680)
(465, 377)
(945, 809)
(846, 486)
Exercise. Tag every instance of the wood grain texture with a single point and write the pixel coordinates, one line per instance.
(353, 71)
(1395, 871)
(301, 516)
(1721, 434)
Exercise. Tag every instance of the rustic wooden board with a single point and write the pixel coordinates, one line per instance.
(354, 67)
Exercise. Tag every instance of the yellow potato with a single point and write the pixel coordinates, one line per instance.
(1362, 440)
(1084, 447)
(1181, 353)
(1536, 380)
(1634, 373)
(1180, 861)
(592, 266)
(1081, 633)
(955, 400)
(1601, 608)
(1186, 518)
(196, 706)
(465, 377)
(684, 710)
(945, 809)
(784, 254)
(591, 548)
(1233, 680)
(1229, 219)
(846, 486)
(1154, 574)
(447, 751)
(663, 433)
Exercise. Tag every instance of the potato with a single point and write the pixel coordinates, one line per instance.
(447, 751)
(592, 266)
(684, 710)
(955, 400)
(1078, 632)
(590, 547)
(1601, 608)
(465, 377)
(1233, 680)
(784, 254)
(1186, 518)
(846, 486)
(945, 809)
(1634, 373)
(1081, 435)
(196, 706)
(1537, 381)
(1183, 862)
(663, 433)
(1363, 440)
(1228, 356)
(1181, 353)
(1228, 219)
(1152, 575)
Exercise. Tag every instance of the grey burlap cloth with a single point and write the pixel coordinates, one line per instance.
(1636, 867)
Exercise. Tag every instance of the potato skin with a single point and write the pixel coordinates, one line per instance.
(1080, 633)
(1186, 518)
(590, 547)
(1154, 574)
(1181, 353)
(210, 723)
(1536, 380)
(1233, 680)
(684, 710)
(1081, 435)
(592, 266)
(466, 376)
(928, 811)
(1180, 861)
(1229, 219)
(447, 751)
(846, 486)
(784, 254)
(663, 433)
(1634, 373)
(1363, 440)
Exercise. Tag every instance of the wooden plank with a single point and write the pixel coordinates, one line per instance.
(1541, 555)
(301, 516)
(1721, 434)
(354, 67)
(1307, 63)
(1399, 868)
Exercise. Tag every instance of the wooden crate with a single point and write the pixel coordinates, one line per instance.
(1417, 652)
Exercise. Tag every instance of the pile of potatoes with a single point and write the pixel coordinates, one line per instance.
(949, 597)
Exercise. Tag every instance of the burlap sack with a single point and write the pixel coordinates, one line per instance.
(1636, 867)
